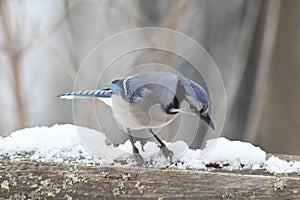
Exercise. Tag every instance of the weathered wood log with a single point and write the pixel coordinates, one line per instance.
(37, 180)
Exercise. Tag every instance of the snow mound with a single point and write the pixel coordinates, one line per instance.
(58, 143)
(276, 165)
(68, 144)
(226, 153)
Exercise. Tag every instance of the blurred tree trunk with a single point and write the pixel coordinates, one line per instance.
(281, 113)
(262, 72)
(244, 66)
(12, 48)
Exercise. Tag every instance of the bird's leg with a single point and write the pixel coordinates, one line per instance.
(165, 151)
(137, 156)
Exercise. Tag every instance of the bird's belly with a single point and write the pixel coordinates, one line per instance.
(137, 116)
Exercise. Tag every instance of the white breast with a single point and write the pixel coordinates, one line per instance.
(135, 116)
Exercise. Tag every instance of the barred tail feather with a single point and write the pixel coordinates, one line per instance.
(103, 95)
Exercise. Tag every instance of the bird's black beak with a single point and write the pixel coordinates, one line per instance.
(208, 120)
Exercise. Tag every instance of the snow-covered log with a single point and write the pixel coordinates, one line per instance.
(38, 180)
(71, 162)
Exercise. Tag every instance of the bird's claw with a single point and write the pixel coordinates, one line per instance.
(168, 154)
(139, 159)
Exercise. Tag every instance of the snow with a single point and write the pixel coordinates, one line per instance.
(64, 143)
(276, 165)
(224, 152)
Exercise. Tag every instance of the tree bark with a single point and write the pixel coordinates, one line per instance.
(37, 180)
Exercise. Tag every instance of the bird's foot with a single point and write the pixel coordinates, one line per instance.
(168, 154)
(139, 160)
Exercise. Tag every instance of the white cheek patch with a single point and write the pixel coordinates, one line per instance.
(197, 104)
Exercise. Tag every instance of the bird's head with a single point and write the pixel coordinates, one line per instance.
(205, 117)
(198, 101)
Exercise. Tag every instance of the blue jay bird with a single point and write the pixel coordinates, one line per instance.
(150, 100)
